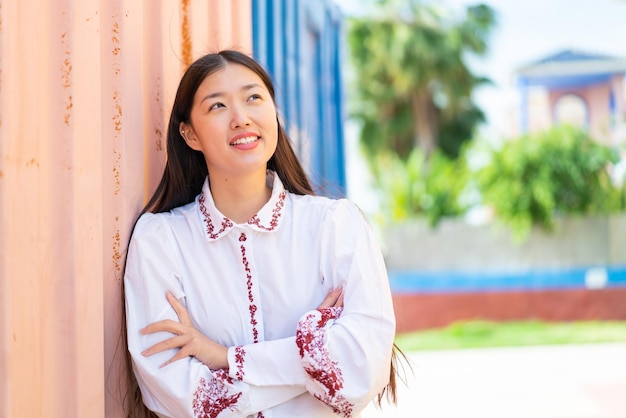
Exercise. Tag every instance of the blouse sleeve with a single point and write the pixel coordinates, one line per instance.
(346, 353)
(341, 355)
(185, 388)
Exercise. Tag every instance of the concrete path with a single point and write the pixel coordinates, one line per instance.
(568, 381)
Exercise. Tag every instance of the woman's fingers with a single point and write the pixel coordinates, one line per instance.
(164, 325)
(169, 324)
(174, 342)
(334, 298)
(339, 303)
(181, 311)
(178, 356)
(189, 341)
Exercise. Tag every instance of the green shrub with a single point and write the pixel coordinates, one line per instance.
(536, 177)
(417, 187)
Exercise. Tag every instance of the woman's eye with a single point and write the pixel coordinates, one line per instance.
(216, 106)
(254, 97)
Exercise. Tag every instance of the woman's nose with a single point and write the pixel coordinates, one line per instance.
(240, 117)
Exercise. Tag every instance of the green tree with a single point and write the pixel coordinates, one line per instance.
(413, 87)
(537, 177)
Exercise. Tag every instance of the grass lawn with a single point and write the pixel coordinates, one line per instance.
(475, 334)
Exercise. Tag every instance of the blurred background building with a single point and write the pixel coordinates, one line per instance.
(451, 268)
(464, 272)
(580, 88)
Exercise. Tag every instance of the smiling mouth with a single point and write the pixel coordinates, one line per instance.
(246, 140)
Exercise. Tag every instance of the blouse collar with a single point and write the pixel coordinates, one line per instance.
(267, 219)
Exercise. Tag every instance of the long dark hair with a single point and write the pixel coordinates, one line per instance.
(185, 172)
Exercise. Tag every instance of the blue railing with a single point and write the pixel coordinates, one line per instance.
(593, 277)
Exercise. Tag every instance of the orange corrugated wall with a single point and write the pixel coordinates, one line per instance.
(85, 91)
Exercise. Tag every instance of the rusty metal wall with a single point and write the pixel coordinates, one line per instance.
(85, 89)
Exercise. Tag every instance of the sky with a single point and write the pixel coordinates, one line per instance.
(526, 31)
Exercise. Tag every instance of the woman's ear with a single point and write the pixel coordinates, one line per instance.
(186, 131)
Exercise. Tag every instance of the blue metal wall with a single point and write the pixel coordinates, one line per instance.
(300, 43)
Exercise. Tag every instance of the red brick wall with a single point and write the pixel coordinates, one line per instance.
(422, 311)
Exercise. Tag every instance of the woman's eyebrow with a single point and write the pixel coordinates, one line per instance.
(219, 93)
(251, 86)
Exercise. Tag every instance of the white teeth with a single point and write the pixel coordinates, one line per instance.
(245, 140)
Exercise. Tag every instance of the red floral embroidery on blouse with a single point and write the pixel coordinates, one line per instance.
(319, 366)
(276, 214)
(252, 307)
(210, 228)
(212, 398)
(240, 354)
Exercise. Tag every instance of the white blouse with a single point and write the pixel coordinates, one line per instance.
(255, 288)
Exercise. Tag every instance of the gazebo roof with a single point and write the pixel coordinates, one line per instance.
(571, 67)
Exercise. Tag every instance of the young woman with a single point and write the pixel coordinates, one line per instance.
(246, 295)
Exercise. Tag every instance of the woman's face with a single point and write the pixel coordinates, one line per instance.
(233, 122)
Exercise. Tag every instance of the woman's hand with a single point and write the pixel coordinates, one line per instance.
(188, 339)
(334, 299)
